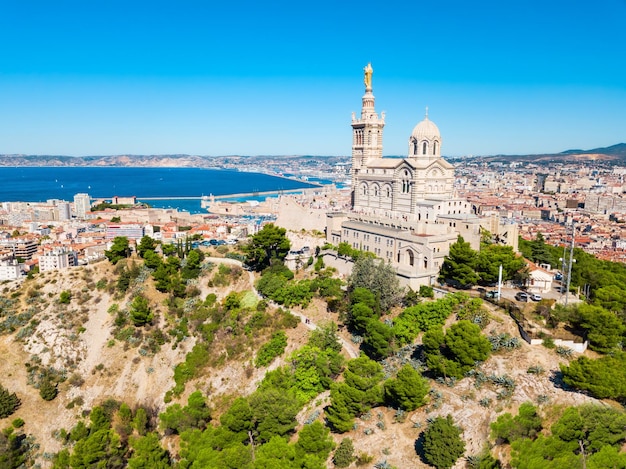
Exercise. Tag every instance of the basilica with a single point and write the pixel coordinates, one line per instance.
(404, 210)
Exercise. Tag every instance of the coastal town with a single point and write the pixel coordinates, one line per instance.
(582, 199)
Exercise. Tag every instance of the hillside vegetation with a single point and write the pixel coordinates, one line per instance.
(186, 359)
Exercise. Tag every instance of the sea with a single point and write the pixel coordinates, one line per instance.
(38, 184)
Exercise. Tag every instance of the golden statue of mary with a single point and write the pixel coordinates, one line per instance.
(368, 76)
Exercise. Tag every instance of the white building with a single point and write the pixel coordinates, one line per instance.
(404, 210)
(82, 205)
(10, 269)
(58, 259)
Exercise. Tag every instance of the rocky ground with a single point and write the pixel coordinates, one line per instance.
(78, 339)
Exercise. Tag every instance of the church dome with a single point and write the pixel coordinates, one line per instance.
(426, 130)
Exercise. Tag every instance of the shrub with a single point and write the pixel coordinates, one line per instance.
(8, 402)
(345, 453)
(48, 390)
(65, 297)
(18, 423)
(272, 349)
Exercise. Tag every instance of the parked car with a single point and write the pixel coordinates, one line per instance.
(535, 297)
(558, 276)
(521, 296)
(492, 294)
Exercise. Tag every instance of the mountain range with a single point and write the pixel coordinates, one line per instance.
(615, 154)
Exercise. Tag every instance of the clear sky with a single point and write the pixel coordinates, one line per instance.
(95, 77)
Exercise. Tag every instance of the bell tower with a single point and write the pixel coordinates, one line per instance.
(367, 131)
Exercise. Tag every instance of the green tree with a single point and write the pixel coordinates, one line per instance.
(48, 389)
(540, 252)
(379, 278)
(491, 257)
(527, 424)
(238, 418)
(359, 317)
(466, 343)
(325, 337)
(604, 329)
(408, 390)
(269, 243)
(101, 448)
(273, 413)
(457, 352)
(603, 378)
(15, 450)
(151, 259)
(344, 455)
(9, 402)
(443, 445)
(458, 266)
(146, 244)
(120, 249)
(276, 454)
(314, 439)
(271, 349)
(378, 340)
(140, 421)
(196, 414)
(65, 297)
(193, 264)
(360, 390)
(148, 453)
(140, 311)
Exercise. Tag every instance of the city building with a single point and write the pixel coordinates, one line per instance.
(20, 247)
(130, 231)
(82, 205)
(10, 269)
(58, 259)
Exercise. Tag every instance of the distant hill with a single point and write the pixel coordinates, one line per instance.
(184, 161)
(615, 154)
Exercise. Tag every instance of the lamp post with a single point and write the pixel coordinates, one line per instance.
(571, 261)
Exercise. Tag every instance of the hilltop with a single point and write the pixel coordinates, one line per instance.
(104, 361)
(613, 154)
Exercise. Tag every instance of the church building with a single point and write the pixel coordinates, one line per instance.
(404, 210)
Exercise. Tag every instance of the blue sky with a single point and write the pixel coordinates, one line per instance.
(275, 78)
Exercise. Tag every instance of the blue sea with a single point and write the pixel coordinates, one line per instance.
(38, 184)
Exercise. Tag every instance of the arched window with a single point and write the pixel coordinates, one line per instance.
(425, 263)
(406, 184)
(415, 147)
(364, 189)
(424, 148)
(435, 148)
(376, 191)
(388, 191)
(411, 258)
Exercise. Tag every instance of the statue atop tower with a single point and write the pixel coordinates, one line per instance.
(368, 71)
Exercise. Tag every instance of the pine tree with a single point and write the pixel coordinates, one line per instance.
(458, 266)
(443, 445)
(344, 455)
(408, 390)
(9, 402)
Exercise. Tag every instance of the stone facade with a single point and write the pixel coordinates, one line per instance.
(404, 210)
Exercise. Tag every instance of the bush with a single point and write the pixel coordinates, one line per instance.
(443, 445)
(18, 423)
(48, 390)
(65, 297)
(272, 349)
(8, 402)
(345, 453)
